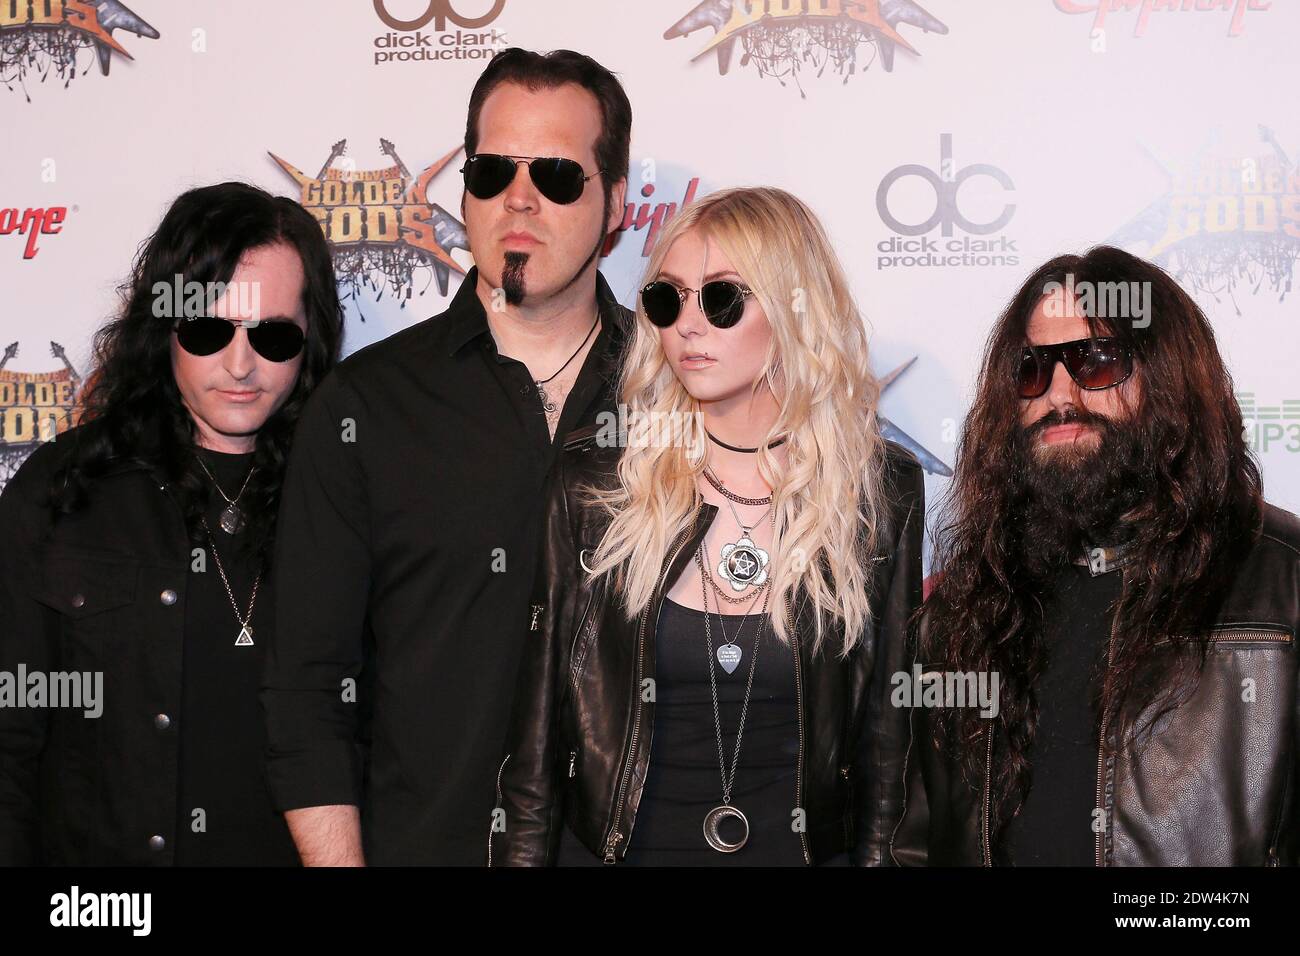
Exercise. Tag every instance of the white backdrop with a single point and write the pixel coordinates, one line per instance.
(1172, 131)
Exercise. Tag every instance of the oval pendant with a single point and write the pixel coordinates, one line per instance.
(714, 819)
(232, 520)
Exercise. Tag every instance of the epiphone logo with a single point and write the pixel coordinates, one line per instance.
(32, 223)
(439, 12)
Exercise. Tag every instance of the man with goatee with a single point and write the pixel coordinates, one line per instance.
(411, 517)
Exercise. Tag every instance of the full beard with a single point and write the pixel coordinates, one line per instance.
(1075, 497)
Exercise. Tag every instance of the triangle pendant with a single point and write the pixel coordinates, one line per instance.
(245, 638)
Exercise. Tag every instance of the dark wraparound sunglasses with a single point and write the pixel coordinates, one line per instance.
(722, 302)
(277, 341)
(559, 180)
(1094, 364)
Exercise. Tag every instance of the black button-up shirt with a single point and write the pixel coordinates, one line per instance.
(405, 554)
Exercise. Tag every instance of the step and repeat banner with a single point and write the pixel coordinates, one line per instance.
(950, 146)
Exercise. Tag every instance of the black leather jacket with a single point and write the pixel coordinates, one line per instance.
(1218, 784)
(579, 745)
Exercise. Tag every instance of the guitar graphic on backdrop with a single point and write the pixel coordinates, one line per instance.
(379, 223)
(35, 407)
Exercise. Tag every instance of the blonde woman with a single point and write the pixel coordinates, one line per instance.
(726, 578)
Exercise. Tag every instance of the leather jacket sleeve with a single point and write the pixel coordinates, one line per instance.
(527, 823)
(882, 746)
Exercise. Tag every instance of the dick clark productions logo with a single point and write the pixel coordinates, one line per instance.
(409, 42)
(910, 238)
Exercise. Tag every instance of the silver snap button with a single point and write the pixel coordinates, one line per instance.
(156, 842)
(78, 600)
(168, 597)
(162, 721)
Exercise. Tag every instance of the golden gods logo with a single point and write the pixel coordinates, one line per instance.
(1228, 219)
(34, 407)
(379, 223)
(44, 36)
(783, 37)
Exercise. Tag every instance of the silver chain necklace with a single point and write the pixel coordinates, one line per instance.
(743, 563)
(232, 519)
(713, 819)
(245, 637)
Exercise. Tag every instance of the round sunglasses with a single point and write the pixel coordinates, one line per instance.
(721, 301)
(559, 180)
(1094, 364)
(274, 340)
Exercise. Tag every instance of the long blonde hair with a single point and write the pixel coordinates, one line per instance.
(826, 498)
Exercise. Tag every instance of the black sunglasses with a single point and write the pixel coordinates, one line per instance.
(275, 340)
(721, 301)
(559, 180)
(1094, 364)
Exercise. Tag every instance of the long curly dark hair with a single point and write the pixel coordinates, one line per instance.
(132, 406)
(985, 614)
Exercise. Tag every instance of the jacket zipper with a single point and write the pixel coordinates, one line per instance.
(1101, 746)
(847, 773)
(615, 837)
(575, 667)
(1254, 634)
(1243, 635)
(988, 791)
(491, 831)
(798, 695)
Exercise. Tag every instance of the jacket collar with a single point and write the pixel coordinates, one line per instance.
(467, 321)
(1103, 560)
(145, 456)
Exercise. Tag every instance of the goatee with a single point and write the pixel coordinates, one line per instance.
(512, 277)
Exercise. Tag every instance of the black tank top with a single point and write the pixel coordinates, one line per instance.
(684, 781)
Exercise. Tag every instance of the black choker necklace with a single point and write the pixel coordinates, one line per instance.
(747, 451)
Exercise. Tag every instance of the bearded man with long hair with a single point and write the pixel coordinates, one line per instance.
(1107, 561)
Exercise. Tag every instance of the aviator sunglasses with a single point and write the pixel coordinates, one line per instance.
(1094, 364)
(722, 302)
(277, 341)
(559, 180)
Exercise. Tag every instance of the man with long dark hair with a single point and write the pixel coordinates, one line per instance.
(1108, 556)
(135, 579)
(412, 507)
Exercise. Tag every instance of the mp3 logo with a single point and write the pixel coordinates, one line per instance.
(439, 11)
(947, 184)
